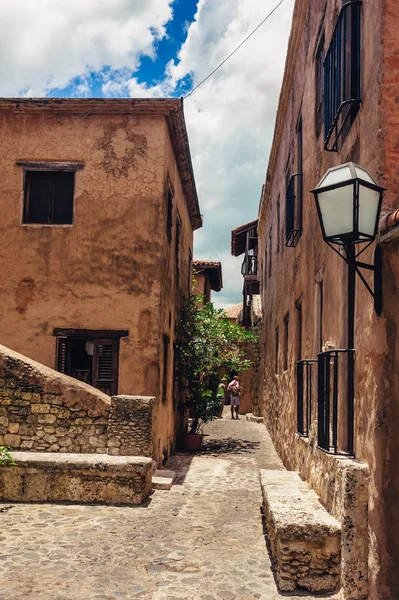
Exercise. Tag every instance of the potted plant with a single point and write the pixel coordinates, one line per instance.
(208, 346)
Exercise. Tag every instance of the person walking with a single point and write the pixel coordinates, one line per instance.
(234, 392)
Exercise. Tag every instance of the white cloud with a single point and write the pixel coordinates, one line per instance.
(47, 43)
(230, 118)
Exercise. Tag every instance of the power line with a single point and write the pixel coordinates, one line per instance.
(234, 51)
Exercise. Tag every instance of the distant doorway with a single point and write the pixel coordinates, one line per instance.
(90, 356)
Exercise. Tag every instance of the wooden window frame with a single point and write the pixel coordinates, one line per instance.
(52, 169)
(101, 338)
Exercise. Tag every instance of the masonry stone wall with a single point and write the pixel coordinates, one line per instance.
(45, 411)
(257, 329)
(342, 484)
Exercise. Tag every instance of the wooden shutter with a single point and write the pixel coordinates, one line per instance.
(106, 359)
(63, 356)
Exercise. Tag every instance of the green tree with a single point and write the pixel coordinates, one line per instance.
(208, 345)
(5, 456)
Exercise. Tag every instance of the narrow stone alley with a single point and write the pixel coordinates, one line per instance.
(203, 539)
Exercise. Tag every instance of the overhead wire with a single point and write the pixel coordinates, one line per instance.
(234, 51)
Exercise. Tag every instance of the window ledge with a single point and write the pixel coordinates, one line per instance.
(40, 225)
(43, 165)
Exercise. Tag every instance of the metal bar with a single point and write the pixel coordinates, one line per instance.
(299, 379)
(309, 400)
(365, 282)
(363, 249)
(363, 265)
(320, 399)
(335, 403)
(350, 253)
(327, 402)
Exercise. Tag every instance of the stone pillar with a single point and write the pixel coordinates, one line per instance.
(354, 532)
(130, 426)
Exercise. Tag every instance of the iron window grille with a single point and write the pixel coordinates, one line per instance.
(329, 383)
(342, 76)
(293, 210)
(305, 377)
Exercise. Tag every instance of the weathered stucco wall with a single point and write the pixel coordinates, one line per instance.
(297, 273)
(113, 268)
(45, 411)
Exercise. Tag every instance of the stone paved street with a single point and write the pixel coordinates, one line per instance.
(202, 540)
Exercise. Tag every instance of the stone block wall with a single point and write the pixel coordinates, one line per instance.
(343, 486)
(257, 328)
(130, 426)
(45, 411)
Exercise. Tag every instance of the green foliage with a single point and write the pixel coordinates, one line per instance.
(5, 456)
(208, 345)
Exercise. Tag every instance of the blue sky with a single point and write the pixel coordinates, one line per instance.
(144, 48)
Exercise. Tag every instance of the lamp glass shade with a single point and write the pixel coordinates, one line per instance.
(348, 201)
(369, 201)
(336, 208)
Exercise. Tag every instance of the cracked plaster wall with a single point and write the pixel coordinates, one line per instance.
(111, 269)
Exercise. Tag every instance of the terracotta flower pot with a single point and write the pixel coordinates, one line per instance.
(192, 441)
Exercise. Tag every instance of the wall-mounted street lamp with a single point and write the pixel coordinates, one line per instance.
(348, 203)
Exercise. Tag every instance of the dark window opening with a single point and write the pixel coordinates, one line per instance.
(177, 247)
(293, 200)
(48, 197)
(190, 269)
(342, 76)
(91, 360)
(298, 307)
(276, 349)
(169, 216)
(319, 88)
(165, 367)
(285, 350)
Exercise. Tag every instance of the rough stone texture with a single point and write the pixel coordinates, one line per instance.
(130, 426)
(43, 410)
(305, 539)
(163, 479)
(343, 486)
(41, 477)
(201, 540)
(257, 328)
(250, 417)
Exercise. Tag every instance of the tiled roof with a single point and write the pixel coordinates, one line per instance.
(389, 220)
(233, 311)
(238, 237)
(214, 271)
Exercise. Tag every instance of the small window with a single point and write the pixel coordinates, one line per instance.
(90, 359)
(165, 367)
(169, 216)
(299, 334)
(293, 199)
(285, 349)
(48, 197)
(319, 85)
(342, 76)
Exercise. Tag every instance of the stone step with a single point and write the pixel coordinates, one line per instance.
(305, 540)
(162, 479)
(82, 478)
(252, 419)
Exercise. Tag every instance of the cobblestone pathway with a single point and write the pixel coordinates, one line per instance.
(202, 540)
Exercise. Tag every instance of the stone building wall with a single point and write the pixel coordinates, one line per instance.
(45, 411)
(305, 290)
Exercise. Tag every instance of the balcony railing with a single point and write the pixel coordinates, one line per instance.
(249, 265)
(334, 431)
(342, 75)
(293, 210)
(305, 381)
